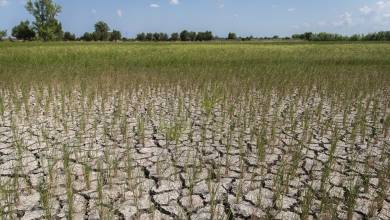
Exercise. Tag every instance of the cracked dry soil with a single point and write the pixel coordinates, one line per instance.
(165, 153)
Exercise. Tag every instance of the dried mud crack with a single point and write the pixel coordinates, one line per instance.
(168, 154)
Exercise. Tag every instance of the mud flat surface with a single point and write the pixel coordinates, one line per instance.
(169, 154)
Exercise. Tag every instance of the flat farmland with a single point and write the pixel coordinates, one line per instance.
(194, 130)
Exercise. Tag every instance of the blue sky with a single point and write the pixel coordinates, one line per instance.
(245, 17)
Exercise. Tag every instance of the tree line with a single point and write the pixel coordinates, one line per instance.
(182, 36)
(46, 27)
(323, 36)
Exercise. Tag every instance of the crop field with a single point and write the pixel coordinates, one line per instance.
(194, 131)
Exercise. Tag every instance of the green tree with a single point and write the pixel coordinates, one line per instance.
(149, 36)
(163, 37)
(208, 35)
(355, 37)
(69, 36)
(23, 31)
(297, 36)
(247, 38)
(3, 34)
(203, 36)
(141, 37)
(87, 36)
(192, 35)
(45, 13)
(115, 35)
(175, 37)
(184, 36)
(156, 36)
(378, 36)
(101, 31)
(232, 36)
(308, 36)
(200, 36)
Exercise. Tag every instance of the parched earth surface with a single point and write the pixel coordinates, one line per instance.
(170, 154)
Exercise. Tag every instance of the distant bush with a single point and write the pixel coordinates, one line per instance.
(232, 36)
(160, 37)
(87, 37)
(204, 36)
(175, 37)
(183, 36)
(115, 35)
(192, 36)
(141, 37)
(69, 36)
(101, 31)
(23, 31)
(3, 34)
(323, 36)
(378, 36)
(247, 38)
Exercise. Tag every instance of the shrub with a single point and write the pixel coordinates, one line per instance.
(232, 36)
(115, 35)
(69, 36)
(23, 31)
(3, 34)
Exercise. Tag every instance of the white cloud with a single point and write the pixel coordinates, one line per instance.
(380, 8)
(3, 3)
(365, 10)
(291, 9)
(382, 4)
(174, 2)
(374, 15)
(119, 12)
(295, 26)
(322, 23)
(154, 5)
(377, 14)
(220, 4)
(344, 20)
(306, 25)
